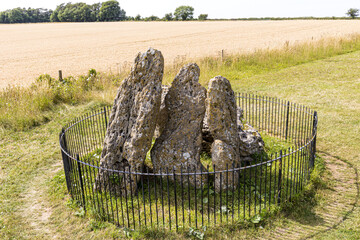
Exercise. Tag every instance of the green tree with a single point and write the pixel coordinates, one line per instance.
(4, 17)
(55, 15)
(17, 15)
(138, 17)
(203, 17)
(168, 17)
(353, 12)
(152, 18)
(67, 13)
(95, 10)
(111, 11)
(184, 13)
(85, 12)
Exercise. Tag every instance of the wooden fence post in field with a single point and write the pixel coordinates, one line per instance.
(60, 76)
(222, 55)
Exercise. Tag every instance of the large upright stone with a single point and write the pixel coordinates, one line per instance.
(221, 120)
(180, 141)
(132, 122)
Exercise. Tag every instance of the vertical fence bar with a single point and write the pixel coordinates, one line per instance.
(188, 183)
(221, 197)
(279, 179)
(168, 195)
(81, 180)
(314, 132)
(275, 178)
(208, 192)
(110, 198)
(65, 159)
(214, 194)
(131, 196)
(265, 183)
(261, 179)
(287, 120)
(244, 193)
(233, 189)
(287, 172)
(126, 199)
(121, 202)
(182, 194)
(270, 179)
(138, 201)
(255, 188)
(162, 196)
(249, 187)
(149, 193)
(156, 203)
(202, 197)
(105, 115)
(143, 196)
(195, 195)
(227, 193)
(176, 215)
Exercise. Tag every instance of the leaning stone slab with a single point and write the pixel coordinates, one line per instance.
(180, 141)
(221, 119)
(132, 123)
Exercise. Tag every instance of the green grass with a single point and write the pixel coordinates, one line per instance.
(31, 179)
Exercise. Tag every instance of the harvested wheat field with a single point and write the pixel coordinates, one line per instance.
(28, 50)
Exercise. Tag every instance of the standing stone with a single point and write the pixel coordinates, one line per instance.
(132, 123)
(180, 142)
(250, 142)
(221, 119)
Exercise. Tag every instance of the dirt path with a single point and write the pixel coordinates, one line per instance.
(340, 200)
(36, 210)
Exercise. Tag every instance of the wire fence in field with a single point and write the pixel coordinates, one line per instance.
(178, 198)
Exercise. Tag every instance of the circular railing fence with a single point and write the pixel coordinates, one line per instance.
(172, 199)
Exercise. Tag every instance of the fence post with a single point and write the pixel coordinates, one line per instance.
(287, 120)
(60, 76)
(106, 121)
(81, 181)
(65, 159)
(279, 179)
(222, 55)
(314, 132)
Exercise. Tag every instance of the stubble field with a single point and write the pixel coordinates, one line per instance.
(28, 50)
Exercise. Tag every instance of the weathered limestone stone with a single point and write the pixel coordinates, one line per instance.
(163, 114)
(180, 142)
(132, 122)
(250, 142)
(221, 119)
(250, 139)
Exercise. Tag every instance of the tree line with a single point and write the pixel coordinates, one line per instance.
(82, 12)
(69, 12)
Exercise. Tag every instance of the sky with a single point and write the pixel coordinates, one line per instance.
(214, 8)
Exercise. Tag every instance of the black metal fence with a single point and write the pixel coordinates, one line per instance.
(173, 200)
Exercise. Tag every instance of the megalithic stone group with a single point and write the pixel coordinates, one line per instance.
(179, 113)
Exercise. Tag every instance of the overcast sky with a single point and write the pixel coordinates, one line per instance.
(215, 8)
